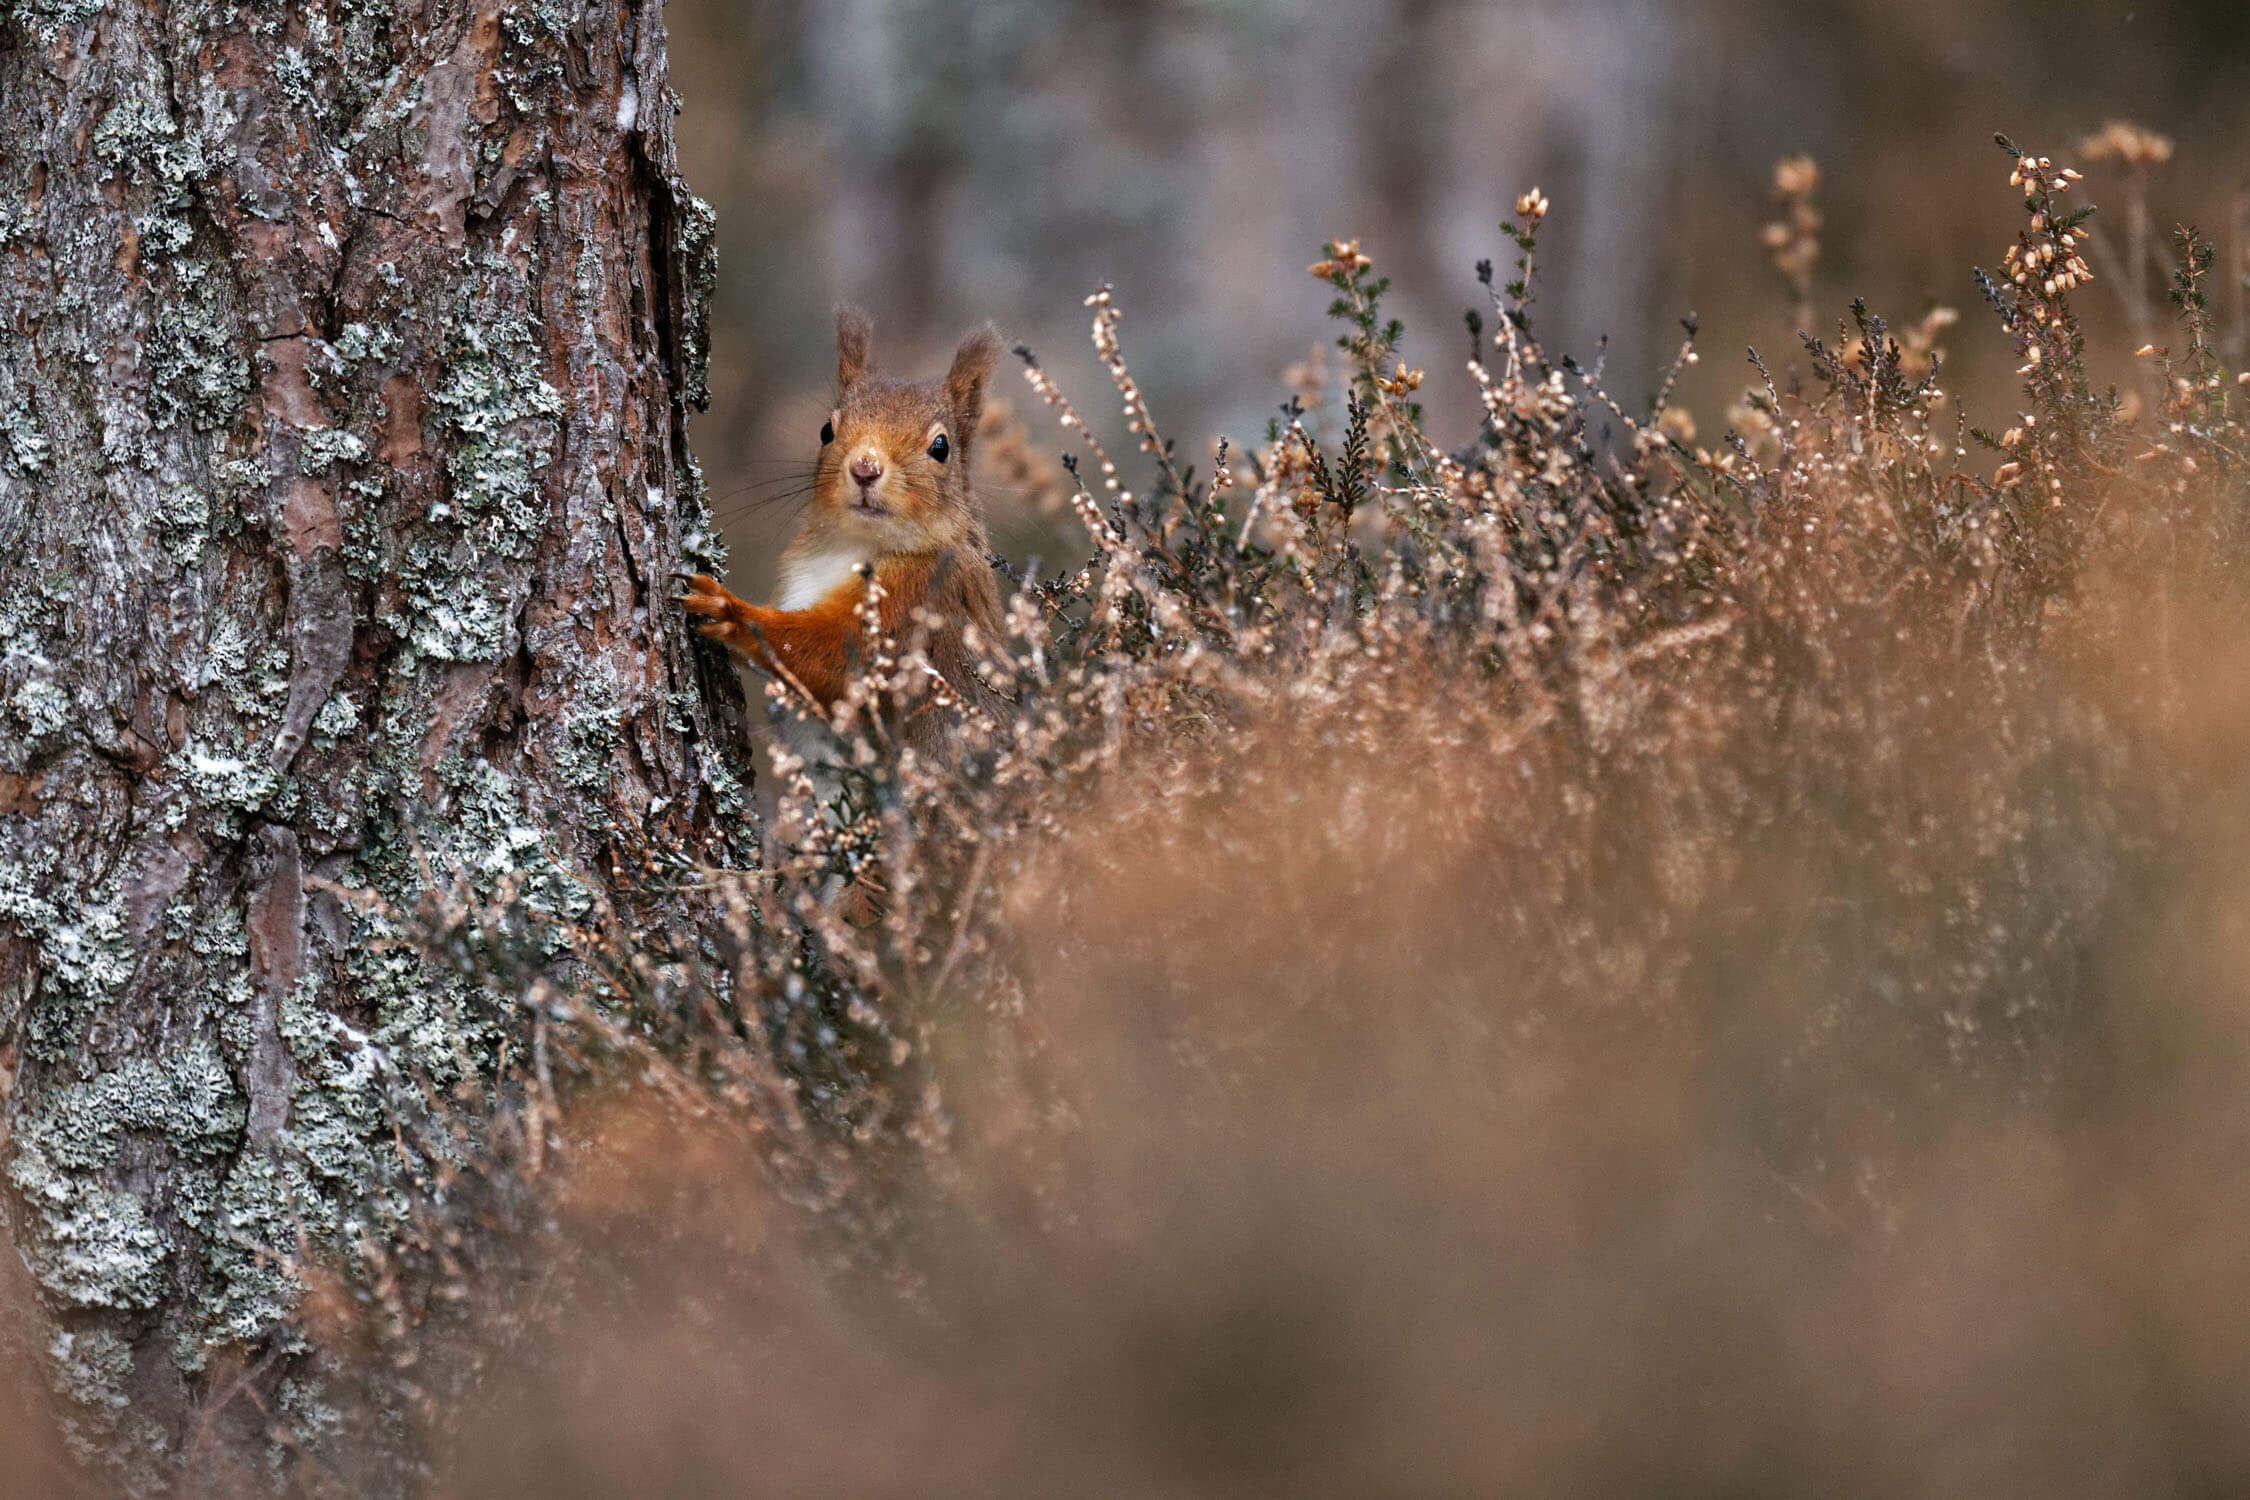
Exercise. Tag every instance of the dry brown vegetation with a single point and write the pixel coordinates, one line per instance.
(1577, 965)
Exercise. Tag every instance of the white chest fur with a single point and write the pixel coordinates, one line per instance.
(805, 581)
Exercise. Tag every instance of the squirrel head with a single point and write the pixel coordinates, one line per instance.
(894, 455)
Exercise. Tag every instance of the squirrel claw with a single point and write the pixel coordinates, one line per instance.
(707, 596)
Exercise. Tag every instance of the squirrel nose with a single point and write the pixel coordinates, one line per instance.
(865, 469)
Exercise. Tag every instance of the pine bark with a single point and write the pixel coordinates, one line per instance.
(346, 351)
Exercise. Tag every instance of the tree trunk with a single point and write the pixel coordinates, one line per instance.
(343, 478)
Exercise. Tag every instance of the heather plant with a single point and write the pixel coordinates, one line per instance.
(1663, 874)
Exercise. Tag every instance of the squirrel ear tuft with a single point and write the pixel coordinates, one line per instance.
(964, 383)
(854, 334)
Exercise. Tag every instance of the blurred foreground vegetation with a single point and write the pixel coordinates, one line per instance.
(1637, 946)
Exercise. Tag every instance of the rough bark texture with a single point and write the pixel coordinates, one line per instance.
(343, 477)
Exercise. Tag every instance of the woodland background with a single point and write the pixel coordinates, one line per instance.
(941, 161)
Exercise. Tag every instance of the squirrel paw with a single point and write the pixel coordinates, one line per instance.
(707, 596)
(731, 622)
(728, 616)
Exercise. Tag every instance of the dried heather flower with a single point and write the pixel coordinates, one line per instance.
(2127, 143)
(1794, 239)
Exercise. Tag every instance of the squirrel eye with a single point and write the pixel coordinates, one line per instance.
(827, 433)
(939, 448)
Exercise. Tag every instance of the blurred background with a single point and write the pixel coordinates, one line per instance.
(942, 161)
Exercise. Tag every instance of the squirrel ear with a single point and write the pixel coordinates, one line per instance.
(853, 335)
(964, 383)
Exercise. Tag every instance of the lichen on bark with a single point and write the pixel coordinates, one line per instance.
(345, 370)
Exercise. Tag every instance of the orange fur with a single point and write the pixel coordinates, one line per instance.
(915, 524)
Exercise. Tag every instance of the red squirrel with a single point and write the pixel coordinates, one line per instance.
(891, 492)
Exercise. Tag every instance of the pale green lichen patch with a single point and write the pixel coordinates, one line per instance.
(533, 61)
(587, 755)
(452, 615)
(339, 1113)
(230, 781)
(700, 542)
(89, 1245)
(91, 955)
(139, 140)
(506, 418)
(492, 835)
(18, 221)
(139, 136)
(360, 342)
(730, 796)
(27, 619)
(292, 77)
(23, 440)
(230, 789)
(698, 231)
(41, 707)
(183, 522)
(234, 999)
(198, 375)
(335, 814)
(88, 1369)
(431, 1025)
(267, 1207)
(703, 547)
(481, 842)
(339, 1144)
(242, 480)
(503, 424)
(85, 949)
(224, 663)
(305, 1400)
(90, 1242)
(338, 717)
(325, 447)
(273, 676)
(50, 20)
